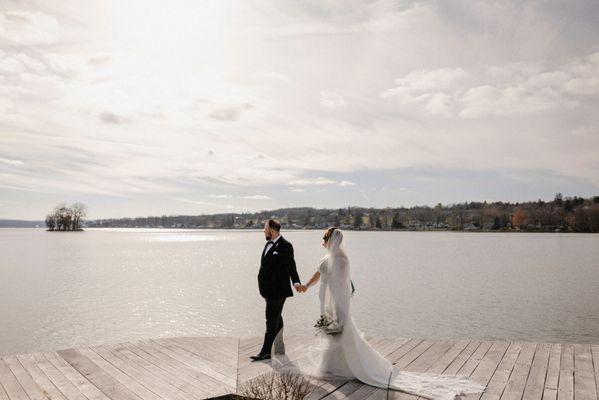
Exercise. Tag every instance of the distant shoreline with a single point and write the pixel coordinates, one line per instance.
(514, 231)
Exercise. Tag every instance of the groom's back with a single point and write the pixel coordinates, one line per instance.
(277, 266)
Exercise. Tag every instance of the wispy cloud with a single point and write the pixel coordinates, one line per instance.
(115, 119)
(256, 197)
(11, 162)
(332, 100)
(320, 181)
(500, 90)
(229, 113)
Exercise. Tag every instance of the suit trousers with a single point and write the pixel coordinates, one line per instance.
(274, 326)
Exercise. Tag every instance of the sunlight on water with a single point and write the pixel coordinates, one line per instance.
(60, 290)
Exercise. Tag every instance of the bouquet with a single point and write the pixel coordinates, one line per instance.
(328, 325)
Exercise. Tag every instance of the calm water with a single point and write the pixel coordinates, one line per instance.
(63, 289)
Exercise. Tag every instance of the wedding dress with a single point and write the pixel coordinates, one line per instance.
(349, 355)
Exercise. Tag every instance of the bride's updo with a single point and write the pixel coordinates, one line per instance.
(328, 233)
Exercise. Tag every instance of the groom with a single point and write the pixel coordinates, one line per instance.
(277, 268)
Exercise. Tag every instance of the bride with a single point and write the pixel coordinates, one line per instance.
(345, 353)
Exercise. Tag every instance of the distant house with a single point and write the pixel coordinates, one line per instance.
(471, 227)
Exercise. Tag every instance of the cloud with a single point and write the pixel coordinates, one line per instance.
(99, 60)
(502, 90)
(256, 197)
(332, 100)
(297, 190)
(114, 119)
(320, 181)
(230, 113)
(11, 162)
(220, 196)
(28, 28)
(346, 183)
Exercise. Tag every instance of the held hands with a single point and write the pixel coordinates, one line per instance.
(301, 288)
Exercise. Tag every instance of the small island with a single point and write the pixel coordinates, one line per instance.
(66, 219)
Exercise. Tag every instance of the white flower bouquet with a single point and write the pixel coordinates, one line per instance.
(328, 325)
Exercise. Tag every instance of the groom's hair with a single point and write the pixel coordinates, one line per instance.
(274, 224)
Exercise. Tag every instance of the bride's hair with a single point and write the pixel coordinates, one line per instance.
(334, 237)
(328, 233)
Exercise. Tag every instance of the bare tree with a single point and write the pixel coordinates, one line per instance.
(65, 218)
(79, 213)
(278, 386)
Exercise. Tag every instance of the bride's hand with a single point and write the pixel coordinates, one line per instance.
(302, 288)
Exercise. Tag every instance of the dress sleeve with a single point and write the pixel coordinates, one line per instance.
(322, 268)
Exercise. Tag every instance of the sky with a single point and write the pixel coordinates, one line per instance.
(189, 107)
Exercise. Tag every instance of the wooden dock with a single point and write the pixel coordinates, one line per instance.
(192, 368)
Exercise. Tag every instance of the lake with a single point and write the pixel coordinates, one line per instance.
(60, 289)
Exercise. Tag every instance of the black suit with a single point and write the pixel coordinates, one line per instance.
(277, 269)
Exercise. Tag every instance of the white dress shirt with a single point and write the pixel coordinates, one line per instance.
(274, 241)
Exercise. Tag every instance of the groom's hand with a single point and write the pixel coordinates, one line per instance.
(301, 288)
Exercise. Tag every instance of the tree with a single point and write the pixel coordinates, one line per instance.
(396, 223)
(520, 218)
(358, 219)
(79, 213)
(65, 218)
(50, 223)
(558, 199)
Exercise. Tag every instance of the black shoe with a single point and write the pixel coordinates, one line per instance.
(260, 357)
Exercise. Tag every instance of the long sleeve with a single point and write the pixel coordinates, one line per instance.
(290, 264)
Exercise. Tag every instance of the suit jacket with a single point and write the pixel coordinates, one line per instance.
(277, 268)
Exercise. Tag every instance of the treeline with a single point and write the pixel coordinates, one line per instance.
(64, 218)
(562, 214)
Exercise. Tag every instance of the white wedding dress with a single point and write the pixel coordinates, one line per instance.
(349, 355)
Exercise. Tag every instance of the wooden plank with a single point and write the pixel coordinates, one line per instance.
(131, 384)
(31, 388)
(110, 386)
(432, 354)
(517, 381)
(249, 370)
(11, 385)
(565, 390)
(154, 383)
(349, 388)
(65, 386)
(75, 377)
(194, 362)
(462, 350)
(584, 375)
(205, 381)
(472, 362)
(553, 367)
(552, 376)
(463, 357)
(402, 350)
(159, 371)
(487, 366)
(49, 390)
(595, 352)
(500, 377)
(413, 354)
(218, 352)
(535, 384)
(3, 395)
(392, 345)
(443, 363)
